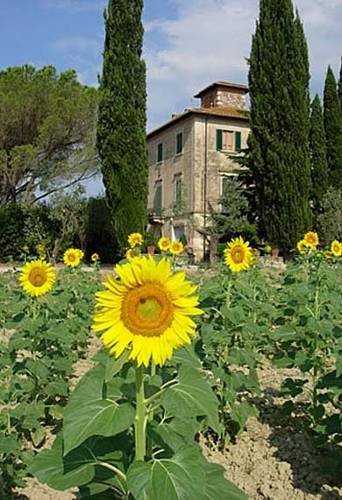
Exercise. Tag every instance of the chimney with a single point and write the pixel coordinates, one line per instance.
(223, 94)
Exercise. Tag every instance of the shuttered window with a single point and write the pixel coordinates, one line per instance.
(157, 202)
(160, 152)
(179, 143)
(237, 141)
(219, 139)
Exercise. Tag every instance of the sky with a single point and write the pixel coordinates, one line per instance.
(188, 43)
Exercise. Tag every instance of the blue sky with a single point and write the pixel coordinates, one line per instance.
(188, 43)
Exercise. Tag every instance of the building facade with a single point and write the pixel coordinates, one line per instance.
(189, 159)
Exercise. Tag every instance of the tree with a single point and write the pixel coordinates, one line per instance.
(279, 118)
(330, 220)
(231, 219)
(47, 132)
(340, 85)
(318, 151)
(333, 129)
(121, 135)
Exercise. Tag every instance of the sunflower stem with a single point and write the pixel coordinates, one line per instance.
(140, 416)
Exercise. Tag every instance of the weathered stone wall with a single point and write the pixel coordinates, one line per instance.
(222, 97)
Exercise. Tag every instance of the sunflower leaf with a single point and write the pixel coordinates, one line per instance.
(192, 396)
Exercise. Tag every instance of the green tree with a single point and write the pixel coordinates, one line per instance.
(333, 129)
(340, 85)
(318, 151)
(47, 132)
(121, 135)
(279, 117)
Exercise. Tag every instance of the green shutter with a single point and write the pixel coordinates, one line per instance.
(179, 145)
(160, 152)
(178, 191)
(219, 139)
(237, 141)
(157, 204)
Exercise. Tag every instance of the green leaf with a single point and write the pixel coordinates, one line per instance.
(219, 488)
(101, 417)
(48, 467)
(178, 478)
(173, 434)
(192, 396)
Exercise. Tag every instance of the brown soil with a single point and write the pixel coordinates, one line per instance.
(273, 459)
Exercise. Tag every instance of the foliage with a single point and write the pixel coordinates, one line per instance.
(318, 152)
(279, 118)
(99, 230)
(122, 119)
(47, 129)
(333, 129)
(231, 219)
(100, 458)
(36, 365)
(330, 220)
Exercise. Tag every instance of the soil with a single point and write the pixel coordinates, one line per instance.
(273, 459)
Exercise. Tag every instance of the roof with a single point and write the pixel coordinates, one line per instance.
(225, 112)
(222, 83)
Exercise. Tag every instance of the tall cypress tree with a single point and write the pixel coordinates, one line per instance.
(340, 85)
(279, 118)
(121, 134)
(318, 151)
(333, 129)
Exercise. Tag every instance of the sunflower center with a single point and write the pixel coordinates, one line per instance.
(237, 255)
(147, 310)
(37, 277)
(71, 257)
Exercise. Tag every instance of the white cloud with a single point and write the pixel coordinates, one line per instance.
(210, 40)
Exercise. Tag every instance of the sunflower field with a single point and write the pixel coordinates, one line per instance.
(176, 367)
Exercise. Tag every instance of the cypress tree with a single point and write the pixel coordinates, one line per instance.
(340, 85)
(279, 119)
(318, 151)
(121, 134)
(333, 129)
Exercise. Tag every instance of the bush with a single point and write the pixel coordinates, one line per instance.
(12, 237)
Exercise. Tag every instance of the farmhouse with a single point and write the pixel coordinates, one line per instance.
(190, 157)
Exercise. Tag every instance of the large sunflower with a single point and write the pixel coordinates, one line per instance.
(336, 248)
(238, 255)
(311, 239)
(37, 278)
(72, 257)
(146, 310)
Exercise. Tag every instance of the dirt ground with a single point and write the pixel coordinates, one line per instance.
(271, 461)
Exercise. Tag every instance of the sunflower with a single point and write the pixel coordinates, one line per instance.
(95, 257)
(135, 239)
(72, 257)
(336, 248)
(301, 246)
(311, 239)
(131, 254)
(37, 278)
(164, 244)
(146, 310)
(176, 247)
(238, 255)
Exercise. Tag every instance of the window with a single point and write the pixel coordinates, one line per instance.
(179, 143)
(160, 152)
(178, 190)
(157, 201)
(227, 140)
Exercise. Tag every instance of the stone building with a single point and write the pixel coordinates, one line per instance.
(189, 159)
